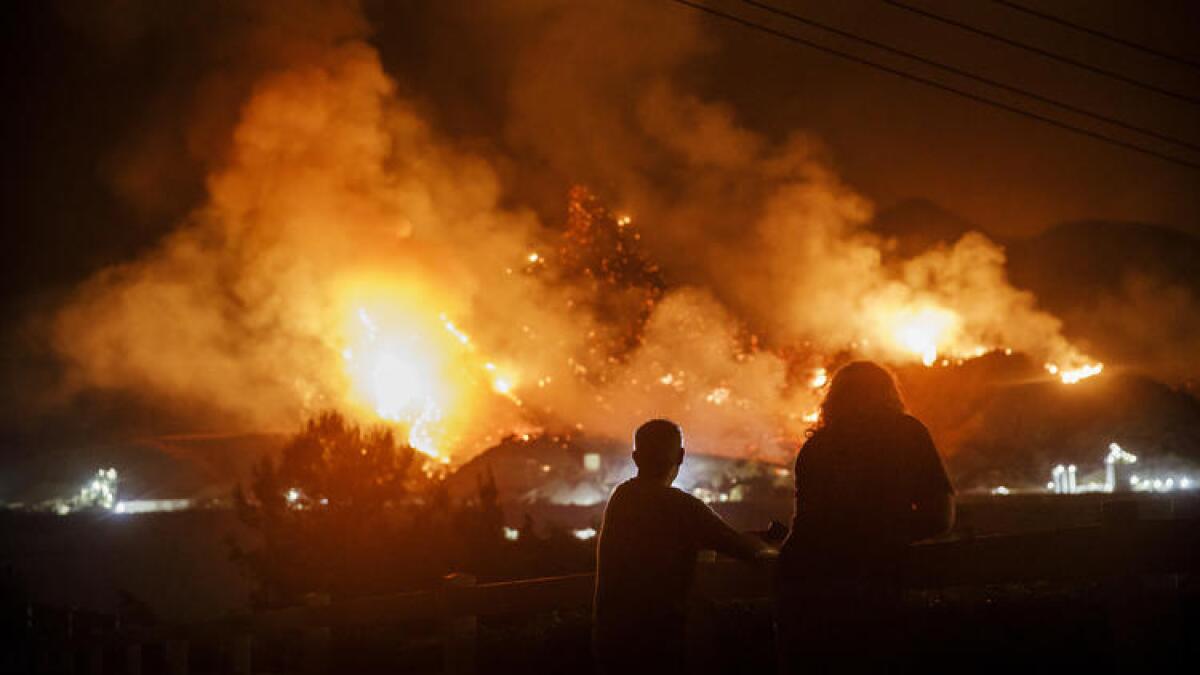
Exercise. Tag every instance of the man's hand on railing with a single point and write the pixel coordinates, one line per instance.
(772, 538)
(767, 554)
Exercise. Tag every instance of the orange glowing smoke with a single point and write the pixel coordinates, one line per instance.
(347, 256)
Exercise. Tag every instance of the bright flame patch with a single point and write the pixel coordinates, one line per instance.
(923, 332)
(395, 370)
(1073, 375)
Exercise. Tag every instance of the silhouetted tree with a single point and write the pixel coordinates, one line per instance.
(479, 525)
(345, 510)
(341, 511)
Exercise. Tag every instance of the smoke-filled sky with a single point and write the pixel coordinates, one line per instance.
(230, 214)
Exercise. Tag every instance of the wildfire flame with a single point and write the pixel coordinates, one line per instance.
(1075, 374)
(417, 368)
(924, 332)
(412, 365)
(395, 373)
(931, 331)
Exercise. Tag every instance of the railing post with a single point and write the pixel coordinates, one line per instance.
(317, 638)
(460, 632)
(1123, 594)
(65, 659)
(133, 659)
(95, 658)
(241, 650)
(177, 657)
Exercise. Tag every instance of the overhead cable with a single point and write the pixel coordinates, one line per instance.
(1034, 49)
(1078, 110)
(935, 84)
(1100, 34)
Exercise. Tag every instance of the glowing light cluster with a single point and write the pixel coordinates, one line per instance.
(583, 534)
(136, 506)
(1063, 480)
(1117, 454)
(101, 491)
(1160, 484)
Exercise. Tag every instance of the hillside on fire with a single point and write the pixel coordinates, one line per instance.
(1098, 277)
(306, 220)
(1128, 290)
(664, 347)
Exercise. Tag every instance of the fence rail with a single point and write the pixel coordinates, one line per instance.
(1122, 548)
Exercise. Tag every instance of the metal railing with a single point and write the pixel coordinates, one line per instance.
(1120, 549)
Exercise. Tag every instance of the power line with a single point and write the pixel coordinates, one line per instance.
(1100, 34)
(935, 84)
(1044, 52)
(1078, 110)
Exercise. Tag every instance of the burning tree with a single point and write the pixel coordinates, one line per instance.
(601, 253)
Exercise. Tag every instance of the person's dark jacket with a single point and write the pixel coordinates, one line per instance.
(646, 561)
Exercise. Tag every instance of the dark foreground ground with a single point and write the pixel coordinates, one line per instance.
(1152, 626)
(1140, 624)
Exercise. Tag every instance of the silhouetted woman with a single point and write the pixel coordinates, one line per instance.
(868, 483)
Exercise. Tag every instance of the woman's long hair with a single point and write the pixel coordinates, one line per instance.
(860, 391)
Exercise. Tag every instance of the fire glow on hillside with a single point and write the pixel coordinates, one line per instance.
(413, 366)
(349, 257)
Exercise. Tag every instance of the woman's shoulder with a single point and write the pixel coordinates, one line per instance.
(814, 438)
(913, 431)
(814, 449)
(910, 423)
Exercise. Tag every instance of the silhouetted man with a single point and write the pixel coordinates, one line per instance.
(646, 557)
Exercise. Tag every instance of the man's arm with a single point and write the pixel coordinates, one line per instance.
(714, 533)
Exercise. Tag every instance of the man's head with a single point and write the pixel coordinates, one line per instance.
(658, 449)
